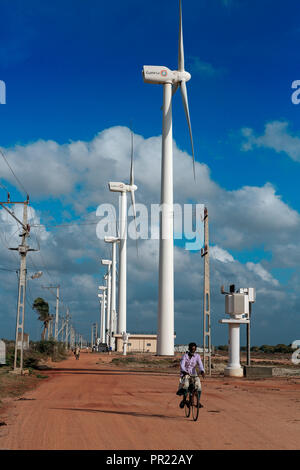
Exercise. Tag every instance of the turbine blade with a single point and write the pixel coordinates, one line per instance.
(116, 226)
(187, 114)
(117, 230)
(175, 88)
(132, 163)
(134, 215)
(180, 42)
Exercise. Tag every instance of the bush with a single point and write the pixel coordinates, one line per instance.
(10, 354)
(279, 348)
(31, 362)
(223, 348)
(283, 348)
(37, 352)
(45, 347)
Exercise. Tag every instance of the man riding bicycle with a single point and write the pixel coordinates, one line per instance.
(189, 361)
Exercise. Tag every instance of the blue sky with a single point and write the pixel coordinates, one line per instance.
(73, 70)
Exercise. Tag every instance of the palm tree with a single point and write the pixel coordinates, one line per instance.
(42, 309)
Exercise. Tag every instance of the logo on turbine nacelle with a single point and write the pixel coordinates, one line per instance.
(164, 73)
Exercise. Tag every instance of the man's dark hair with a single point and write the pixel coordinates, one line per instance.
(192, 344)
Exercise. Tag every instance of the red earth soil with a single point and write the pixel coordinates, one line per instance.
(92, 405)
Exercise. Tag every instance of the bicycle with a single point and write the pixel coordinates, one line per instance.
(192, 402)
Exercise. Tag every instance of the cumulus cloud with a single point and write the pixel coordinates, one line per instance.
(205, 69)
(76, 174)
(276, 136)
(221, 255)
(258, 269)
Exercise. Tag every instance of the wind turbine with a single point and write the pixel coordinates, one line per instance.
(124, 189)
(113, 241)
(103, 306)
(108, 263)
(171, 81)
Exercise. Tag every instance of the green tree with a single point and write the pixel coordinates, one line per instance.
(42, 309)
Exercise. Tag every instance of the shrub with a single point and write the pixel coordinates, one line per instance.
(223, 347)
(283, 348)
(10, 354)
(38, 351)
(45, 347)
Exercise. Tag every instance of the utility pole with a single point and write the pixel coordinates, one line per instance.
(206, 298)
(94, 334)
(49, 328)
(72, 337)
(61, 330)
(248, 337)
(67, 328)
(56, 310)
(23, 249)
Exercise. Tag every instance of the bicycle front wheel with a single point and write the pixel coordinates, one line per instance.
(187, 406)
(195, 405)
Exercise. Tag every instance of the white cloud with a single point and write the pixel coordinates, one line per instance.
(258, 269)
(221, 255)
(77, 173)
(205, 69)
(276, 137)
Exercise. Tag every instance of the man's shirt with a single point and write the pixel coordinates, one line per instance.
(188, 364)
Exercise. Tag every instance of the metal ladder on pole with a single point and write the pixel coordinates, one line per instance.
(206, 299)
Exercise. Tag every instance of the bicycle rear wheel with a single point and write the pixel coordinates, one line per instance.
(195, 405)
(187, 406)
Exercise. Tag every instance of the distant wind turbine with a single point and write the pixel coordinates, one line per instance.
(112, 327)
(171, 81)
(124, 189)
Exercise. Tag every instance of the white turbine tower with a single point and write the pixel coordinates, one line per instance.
(103, 307)
(100, 296)
(171, 81)
(107, 277)
(124, 189)
(113, 313)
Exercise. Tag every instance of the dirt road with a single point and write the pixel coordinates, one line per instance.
(89, 405)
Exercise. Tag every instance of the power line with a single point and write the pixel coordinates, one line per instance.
(16, 178)
(7, 269)
(3, 187)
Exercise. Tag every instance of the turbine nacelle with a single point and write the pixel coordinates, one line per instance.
(157, 74)
(121, 187)
(106, 262)
(111, 239)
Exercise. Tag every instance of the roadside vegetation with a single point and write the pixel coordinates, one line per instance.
(35, 360)
(38, 354)
(278, 355)
(147, 361)
(265, 348)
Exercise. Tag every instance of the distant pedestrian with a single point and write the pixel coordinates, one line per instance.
(77, 353)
